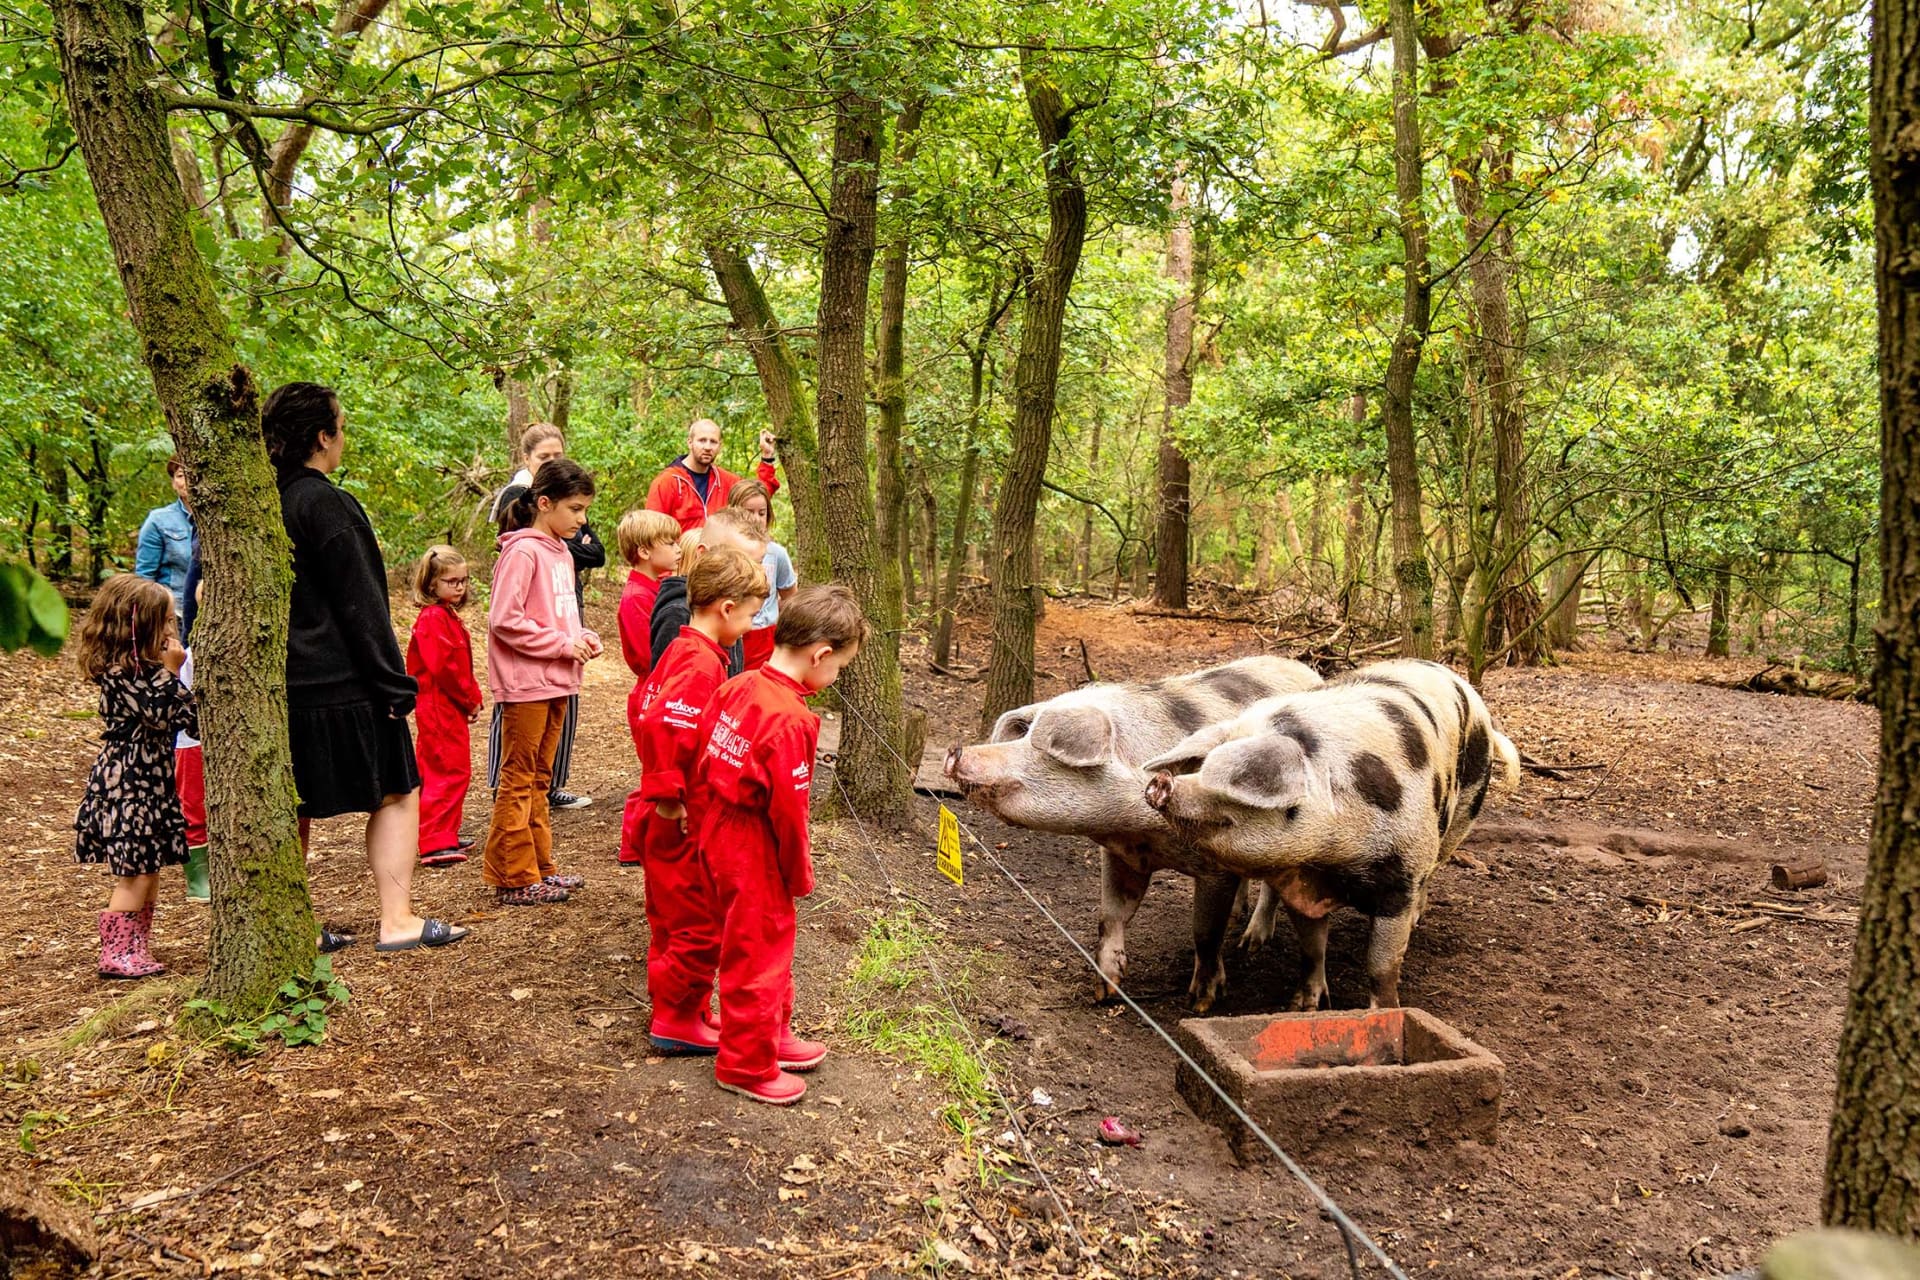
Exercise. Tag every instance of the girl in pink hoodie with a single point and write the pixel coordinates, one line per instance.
(536, 645)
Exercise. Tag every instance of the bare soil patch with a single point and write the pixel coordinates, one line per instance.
(491, 1109)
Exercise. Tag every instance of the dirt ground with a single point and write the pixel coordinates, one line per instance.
(491, 1109)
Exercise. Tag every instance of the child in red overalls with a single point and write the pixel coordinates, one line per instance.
(683, 921)
(756, 768)
(440, 658)
(650, 544)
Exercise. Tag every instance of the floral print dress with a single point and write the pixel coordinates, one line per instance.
(130, 818)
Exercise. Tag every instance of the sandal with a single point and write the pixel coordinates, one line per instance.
(442, 858)
(567, 882)
(331, 941)
(433, 933)
(531, 895)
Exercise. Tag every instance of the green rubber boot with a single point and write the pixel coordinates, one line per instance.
(197, 886)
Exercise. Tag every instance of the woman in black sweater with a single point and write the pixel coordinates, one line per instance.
(348, 691)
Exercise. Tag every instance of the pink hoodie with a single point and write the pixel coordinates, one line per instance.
(533, 620)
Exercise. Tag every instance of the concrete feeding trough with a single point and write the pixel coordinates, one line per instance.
(1307, 1078)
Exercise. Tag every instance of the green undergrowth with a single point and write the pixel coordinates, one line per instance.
(298, 1015)
(898, 1006)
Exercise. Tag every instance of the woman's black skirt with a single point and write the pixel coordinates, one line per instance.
(348, 757)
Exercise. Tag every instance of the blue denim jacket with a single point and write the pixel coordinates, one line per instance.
(165, 551)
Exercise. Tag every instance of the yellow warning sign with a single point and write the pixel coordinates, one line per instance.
(947, 855)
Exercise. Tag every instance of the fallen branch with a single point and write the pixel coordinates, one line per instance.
(200, 1190)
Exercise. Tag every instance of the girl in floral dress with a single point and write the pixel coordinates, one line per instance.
(130, 818)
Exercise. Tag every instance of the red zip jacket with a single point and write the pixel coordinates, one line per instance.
(673, 491)
(677, 695)
(636, 621)
(757, 769)
(440, 657)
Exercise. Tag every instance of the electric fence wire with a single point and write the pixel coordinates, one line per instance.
(871, 842)
(1350, 1231)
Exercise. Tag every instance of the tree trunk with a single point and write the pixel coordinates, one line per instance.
(1720, 603)
(1413, 577)
(1873, 1173)
(263, 927)
(1036, 376)
(1502, 354)
(59, 513)
(929, 533)
(788, 413)
(350, 19)
(1563, 629)
(1084, 570)
(519, 413)
(1175, 473)
(560, 399)
(890, 379)
(963, 495)
(875, 781)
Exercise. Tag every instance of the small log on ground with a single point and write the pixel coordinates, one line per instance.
(1799, 875)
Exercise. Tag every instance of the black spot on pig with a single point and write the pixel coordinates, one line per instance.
(1390, 682)
(1466, 706)
(1235, 686)
(1440, 802)
(1289, 724)
(1381, 886)
(1413, 743)
(1373, 779)
(1470, 774)
(1186, 713)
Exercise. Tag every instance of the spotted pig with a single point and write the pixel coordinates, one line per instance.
(1350, 795)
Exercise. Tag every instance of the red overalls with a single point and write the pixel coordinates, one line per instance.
(635, 616)
(683, 921)
(756, 767)
(440, 657)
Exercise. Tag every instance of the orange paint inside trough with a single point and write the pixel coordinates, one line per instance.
(1376, 1038)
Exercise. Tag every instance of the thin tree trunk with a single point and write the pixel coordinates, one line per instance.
(929, 533)
(1085, 567)
(1413, 576)
(875, 781)
(351, 18)
(1873, 1172)
(1174, 471)
(1036, 377)
(1720, 603)
(890, 377)
(1502, 354)
(963, 502)
(788, 413)
(263, 928)
(560, 399)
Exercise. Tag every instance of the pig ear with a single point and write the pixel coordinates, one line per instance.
(1187, 757)
(1013, 725)
(1078, 737)
(1267, 772)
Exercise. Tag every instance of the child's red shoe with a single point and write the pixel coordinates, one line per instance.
(782, 1091)
(795, 1054)
(682, 1037)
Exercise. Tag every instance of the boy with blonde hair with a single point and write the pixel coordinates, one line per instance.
(724, 528)
(683, 919)
(649, 542)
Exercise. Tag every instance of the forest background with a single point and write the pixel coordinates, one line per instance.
(1646, 372)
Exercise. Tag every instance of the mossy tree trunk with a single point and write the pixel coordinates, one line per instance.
(788, 412)
(1413, 576)
(1873, 1154)
(892, 528)
(1174, 473)
(263, 928)
(875, 779)
(1035, 380)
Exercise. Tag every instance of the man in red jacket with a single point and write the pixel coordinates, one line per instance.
(755, 770)
(693, 484)
(683, 919)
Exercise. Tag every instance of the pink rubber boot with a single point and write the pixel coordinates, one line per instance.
(119, 957)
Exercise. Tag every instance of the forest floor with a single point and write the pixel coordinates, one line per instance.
(491, 1109)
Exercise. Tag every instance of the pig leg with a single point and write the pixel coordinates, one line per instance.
(1265, 915)
(1311, 931)
(1213, 899)
(1122, 885)
(1385, 954)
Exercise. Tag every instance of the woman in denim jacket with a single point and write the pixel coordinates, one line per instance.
(165, 550)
